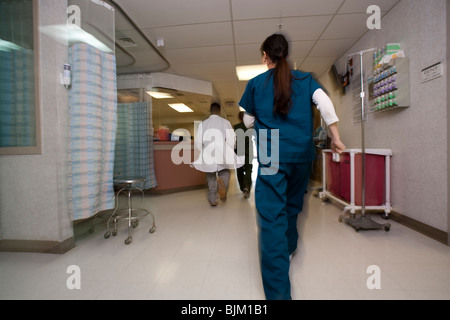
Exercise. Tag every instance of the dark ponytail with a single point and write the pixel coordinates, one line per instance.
(276, 47)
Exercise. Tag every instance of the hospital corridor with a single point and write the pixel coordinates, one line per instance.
(224, 156)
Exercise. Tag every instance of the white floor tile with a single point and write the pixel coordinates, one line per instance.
(204, 252)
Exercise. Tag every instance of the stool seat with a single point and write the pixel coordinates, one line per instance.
(128, 180)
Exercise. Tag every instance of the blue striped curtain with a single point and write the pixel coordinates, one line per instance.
(17, 109)
(92, 132)
(17, 120)
(134, 144)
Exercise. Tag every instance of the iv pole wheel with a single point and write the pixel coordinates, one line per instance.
(387, 227)
(128, 240)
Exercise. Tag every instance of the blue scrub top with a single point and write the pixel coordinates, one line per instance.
(295, 143)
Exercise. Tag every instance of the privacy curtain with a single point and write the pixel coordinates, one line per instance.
(134, 144)
(17, 120)
(17, 109)
(92, 132)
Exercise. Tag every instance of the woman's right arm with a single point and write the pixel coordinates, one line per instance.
(336, 143)
(326, 108)
(249, 120)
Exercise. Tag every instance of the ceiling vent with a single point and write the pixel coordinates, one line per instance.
(126, 42)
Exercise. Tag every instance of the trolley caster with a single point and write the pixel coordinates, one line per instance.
(357, 229)
(384, 216)
(107, 235)
(114, 233)
(325, 200)
(135, 224)
(387, 227)
(128, 240)
(152, 229)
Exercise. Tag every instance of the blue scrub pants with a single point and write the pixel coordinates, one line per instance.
(279, 200)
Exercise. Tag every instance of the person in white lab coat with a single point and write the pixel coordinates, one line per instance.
(215, 139)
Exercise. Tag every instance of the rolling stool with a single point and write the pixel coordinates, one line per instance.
(133, 221)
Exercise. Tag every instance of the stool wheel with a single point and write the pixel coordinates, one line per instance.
(114, 233)
(107, 235)
(128, 240)
(152, 229)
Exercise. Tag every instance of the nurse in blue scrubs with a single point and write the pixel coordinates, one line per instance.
(278, 104)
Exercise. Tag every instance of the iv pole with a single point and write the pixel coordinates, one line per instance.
(363, 222)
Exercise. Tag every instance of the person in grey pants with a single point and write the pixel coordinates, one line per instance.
(215, 139)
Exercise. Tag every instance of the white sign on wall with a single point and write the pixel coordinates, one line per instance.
(432, 72)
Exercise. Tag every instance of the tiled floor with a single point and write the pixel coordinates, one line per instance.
(203, 252)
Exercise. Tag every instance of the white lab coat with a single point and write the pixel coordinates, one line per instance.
(215, 140)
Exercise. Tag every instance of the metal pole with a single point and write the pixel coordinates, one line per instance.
(363, 147)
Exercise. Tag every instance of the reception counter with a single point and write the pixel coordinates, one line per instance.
(172, 177)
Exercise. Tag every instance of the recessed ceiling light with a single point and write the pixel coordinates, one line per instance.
(248, 72)
(180, 107)
(160, 95)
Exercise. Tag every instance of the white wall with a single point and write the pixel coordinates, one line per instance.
(33, 192)
(417, 135)
(448, 117)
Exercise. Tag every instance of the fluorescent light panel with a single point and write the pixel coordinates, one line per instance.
(245, 73)
(180, 107)
(73, 34)
(160, 95)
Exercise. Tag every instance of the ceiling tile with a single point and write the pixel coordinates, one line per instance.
(150, 14)
(331, 48)
(257, 9)
(248, 52)
(295, 29)
(317, 65)
(190, 36)
(299, 49)
(254, 31)
(199, 55)
(360, 6)
(346, 26)
(204, 70)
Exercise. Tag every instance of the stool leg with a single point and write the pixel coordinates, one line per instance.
(153, 228)
(108, 233)
(130, 210)
(92, 228)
